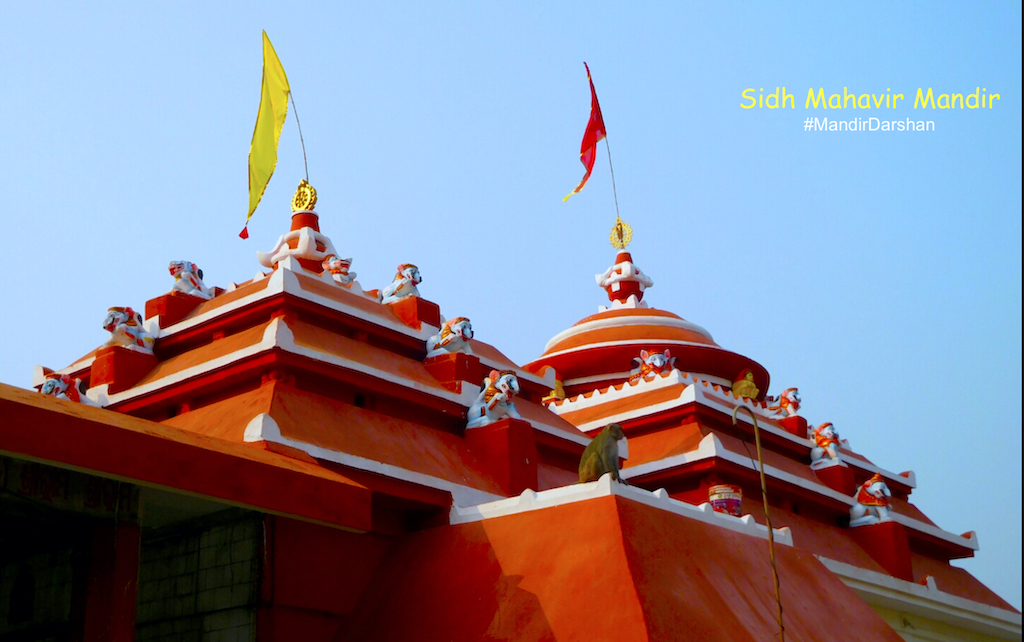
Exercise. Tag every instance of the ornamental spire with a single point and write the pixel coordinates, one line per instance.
(623, 281)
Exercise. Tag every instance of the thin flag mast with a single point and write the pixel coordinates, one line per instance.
(274, 95)
(588, 150)
(303, 143)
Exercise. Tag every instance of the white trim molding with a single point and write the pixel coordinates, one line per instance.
(604, 487)
(927, 602)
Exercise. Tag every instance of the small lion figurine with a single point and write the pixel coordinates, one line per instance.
(188, 279)
(404, 285)
(602, 455)
(789, 404)
(826, 446)
(872, 504)
(338, 269)
(652, 363)
(495, 400)
(125, 328)
(454, 337)
(62, 386)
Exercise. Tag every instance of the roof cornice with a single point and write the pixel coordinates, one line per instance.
(926, 601)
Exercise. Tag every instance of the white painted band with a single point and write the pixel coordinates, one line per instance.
(627, 321)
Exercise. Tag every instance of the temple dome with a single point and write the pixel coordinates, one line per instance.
(599, 350)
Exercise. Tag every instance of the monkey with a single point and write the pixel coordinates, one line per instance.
(602, 455)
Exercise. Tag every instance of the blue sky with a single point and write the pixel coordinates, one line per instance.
(879, 272)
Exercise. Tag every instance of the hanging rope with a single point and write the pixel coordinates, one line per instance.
(612, 171)
(302, 142)
(767, 518)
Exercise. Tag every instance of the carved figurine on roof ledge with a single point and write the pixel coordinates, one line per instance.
(602, 455)
(826, 447)
(557, 393)
(62, 386)
(744, 386)
(494, 402)
(789, 404)
(188, 279)
(126, 330)
(404, 285)
(650, 364)
(453, 337)
(872, 505)
(338, 269)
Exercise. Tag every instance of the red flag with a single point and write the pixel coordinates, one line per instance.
(595, 132)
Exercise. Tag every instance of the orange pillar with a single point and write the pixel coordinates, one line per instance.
(887, 544)
(509, 450)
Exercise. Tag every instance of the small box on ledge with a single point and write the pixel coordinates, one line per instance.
(887, 544)
(795, 425)
(838, 477)
(172, 307)
(453, 368)
(120, 367)
(414, 311)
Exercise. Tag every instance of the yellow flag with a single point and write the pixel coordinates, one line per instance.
(269, 122)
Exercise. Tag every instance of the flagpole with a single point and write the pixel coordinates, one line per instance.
(303, 143)
(610, 168)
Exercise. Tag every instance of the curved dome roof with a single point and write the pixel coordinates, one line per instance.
(599, 350)
(626, 324)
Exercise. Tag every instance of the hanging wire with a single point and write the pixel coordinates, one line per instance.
(301, 141)
(611, 169)
(767, 518)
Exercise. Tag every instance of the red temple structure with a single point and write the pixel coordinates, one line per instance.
(293, 458)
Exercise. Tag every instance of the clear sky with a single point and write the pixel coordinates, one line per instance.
(878, 271)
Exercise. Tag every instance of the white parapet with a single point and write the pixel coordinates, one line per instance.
(604, 487)
(924, 609)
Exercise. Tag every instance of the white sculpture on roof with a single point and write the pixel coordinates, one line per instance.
(404, 285)
(126, 330)
(872, 504)
(339, 270)
(826, 447)
(188, 279)
(494, 402)
(62, 386)
(789, 404)
(310, 244)
(453, 337)
(651, 363)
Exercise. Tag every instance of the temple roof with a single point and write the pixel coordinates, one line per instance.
(678, 418)
(584, 569)
(296, 362)
(599, 349)
(113, 444)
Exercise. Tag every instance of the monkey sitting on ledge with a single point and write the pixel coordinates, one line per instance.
(602, 455)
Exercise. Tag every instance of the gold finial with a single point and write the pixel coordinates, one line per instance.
(621, 234)
(305, 198)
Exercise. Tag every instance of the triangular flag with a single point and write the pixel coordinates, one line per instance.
(595, 132)
(269, 122)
